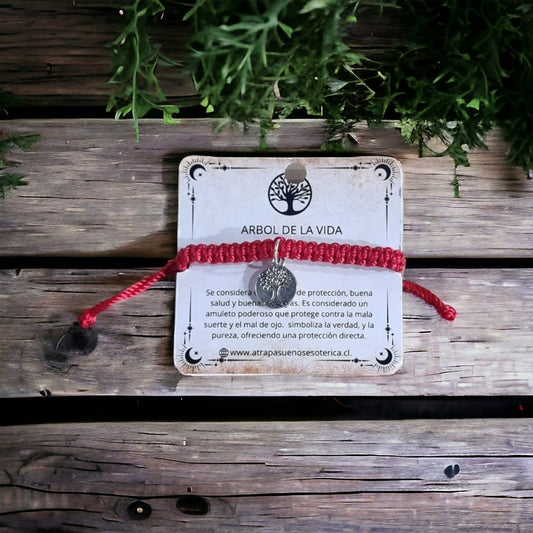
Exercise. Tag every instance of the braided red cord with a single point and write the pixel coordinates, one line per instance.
(445, 311)
(246, 252)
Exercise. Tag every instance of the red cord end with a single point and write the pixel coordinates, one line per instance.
(86, 319)
(444, 310)
(448, 312)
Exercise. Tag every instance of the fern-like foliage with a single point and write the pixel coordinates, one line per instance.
(136, 90)
(460, 69)
(8, 180)
(266, 59)
(464, 68)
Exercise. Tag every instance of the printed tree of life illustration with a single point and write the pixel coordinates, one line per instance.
(281, 190)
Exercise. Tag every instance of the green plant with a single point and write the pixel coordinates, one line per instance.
(271, 58)
(8, 180)
(461, 68)
(464, 68)
(135, 58)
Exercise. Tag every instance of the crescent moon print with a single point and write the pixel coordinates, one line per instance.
(194, 168)
(189, 358)
(386, 169)
(383, 171)
(387, 361)
(196, 171)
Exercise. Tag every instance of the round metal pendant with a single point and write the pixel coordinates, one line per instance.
(275, 286)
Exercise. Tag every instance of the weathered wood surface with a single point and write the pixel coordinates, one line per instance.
(277, 476)
(58, 52)
(94, 191)
(486, 351)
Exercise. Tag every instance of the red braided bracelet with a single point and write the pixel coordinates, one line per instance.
(246, 252)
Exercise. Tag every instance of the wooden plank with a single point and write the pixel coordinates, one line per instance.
(486, 351)
(59, 53)
(94, 191)
(280, 476)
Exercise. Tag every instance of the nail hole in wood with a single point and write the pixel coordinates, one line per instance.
(452, 470)
(77, 341)
(194, 505)
(139, 510)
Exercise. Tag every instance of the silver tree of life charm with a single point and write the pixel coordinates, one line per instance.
(276, 285)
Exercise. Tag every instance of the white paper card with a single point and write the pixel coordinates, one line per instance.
(343, 320)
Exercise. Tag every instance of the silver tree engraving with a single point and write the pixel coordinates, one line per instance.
(276, 286)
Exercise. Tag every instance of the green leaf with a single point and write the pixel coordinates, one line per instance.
(10, 182)
(458, 69)
(313, 5)
(198, 4)
(18, 142)
(287, 30)
(168, 117)
(136, 90)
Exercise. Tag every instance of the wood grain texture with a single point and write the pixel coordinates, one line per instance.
(486, 351)
(59, 52)
(67, 60)
(94, 191)
(277, 476)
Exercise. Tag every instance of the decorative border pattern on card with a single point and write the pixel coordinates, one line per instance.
(343, 320)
